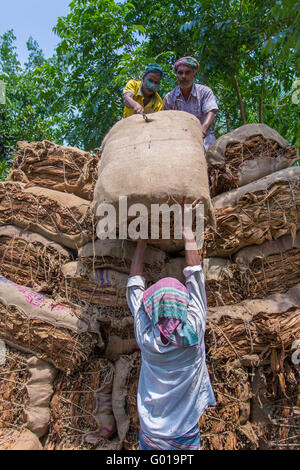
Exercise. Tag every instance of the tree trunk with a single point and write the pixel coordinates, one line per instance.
(242, 112)
(261, 101)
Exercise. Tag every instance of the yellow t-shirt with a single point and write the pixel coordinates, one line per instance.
(135, 87)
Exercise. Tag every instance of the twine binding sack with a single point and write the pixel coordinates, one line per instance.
(263, 210)
(245, 155)
(61, 217)
(31, 322)
(30, 259)
(154, 163)
(57, 167)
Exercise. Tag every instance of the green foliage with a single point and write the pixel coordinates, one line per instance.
(76, 96)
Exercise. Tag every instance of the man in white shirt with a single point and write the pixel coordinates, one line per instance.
(169, 320)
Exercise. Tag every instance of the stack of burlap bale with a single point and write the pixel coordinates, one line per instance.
(73, 381)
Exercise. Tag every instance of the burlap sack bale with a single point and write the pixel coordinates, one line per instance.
(270, 268)
(118, 255)
(61, 217)
(222, 282)
(81, 408)
(101, 286)
(14, 375)
(40, 389)
(57, 167)
(264, 210)
(154, 163)
(22, 439)
(247, 154)
(127, 370)
(30, 259)
(58, 334)
(221, 426)
(275, 410)
(254, 326)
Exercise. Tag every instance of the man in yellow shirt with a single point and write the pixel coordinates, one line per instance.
(140, 96)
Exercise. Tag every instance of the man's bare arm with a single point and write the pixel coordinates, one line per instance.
(131, 103)
(138, 259)
(209, 118)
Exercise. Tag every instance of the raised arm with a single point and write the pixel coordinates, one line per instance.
(192, 255)
(138, 259)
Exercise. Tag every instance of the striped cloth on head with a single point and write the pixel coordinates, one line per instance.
(189, 61)
(189, 441)
(165, 303)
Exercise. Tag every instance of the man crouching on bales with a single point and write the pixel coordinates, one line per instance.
(169, 320)
(140, 96)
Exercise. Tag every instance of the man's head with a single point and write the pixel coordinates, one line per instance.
(186, 69)
(151, 78)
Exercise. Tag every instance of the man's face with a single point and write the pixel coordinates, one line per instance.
(185, 76)
(151, 82)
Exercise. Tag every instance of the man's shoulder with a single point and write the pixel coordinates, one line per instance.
(202, 88)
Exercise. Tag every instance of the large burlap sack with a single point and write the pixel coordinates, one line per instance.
(127, 370)
(56, 167)
(270, 268)
(22, 439)
(118, 255)
(247, 154)
(40, 390)
(25, 391)
(154, 163)
(264, 210)
(61, 217)
(81, 408)
(254, 326)
(104, 287)
(30, 259)
(58, 334)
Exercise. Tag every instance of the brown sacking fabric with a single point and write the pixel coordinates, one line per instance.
(57, 167)
(270, 268)
(127, 369)
(254, 326)
(55, 333)
(30, 259)
(264, 210)
(14, 376)
(22, 439)
(254, 380)
(154, 163)
(118, 255)
(104, 287)
(247, 160)
(61, 217)
(77, 408)
(40, 389)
